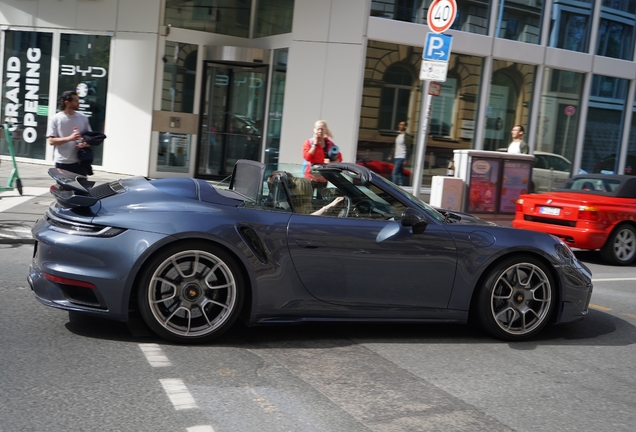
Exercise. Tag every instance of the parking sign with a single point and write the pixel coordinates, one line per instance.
(437, 47)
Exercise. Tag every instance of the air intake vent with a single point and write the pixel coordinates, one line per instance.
(254, 242)
(104, 190)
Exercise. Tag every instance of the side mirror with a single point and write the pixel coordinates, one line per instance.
(412, 218)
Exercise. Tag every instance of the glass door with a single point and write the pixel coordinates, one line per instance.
(232, 117)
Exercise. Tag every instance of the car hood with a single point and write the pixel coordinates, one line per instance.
(459, 218)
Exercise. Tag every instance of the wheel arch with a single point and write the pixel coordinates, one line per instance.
(246, 308)
(484, 275)
(618, 225)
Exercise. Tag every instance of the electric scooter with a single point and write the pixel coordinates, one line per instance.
(14, 177)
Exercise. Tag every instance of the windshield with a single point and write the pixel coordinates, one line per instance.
(326, 191)
(414, 200)
(595, 184)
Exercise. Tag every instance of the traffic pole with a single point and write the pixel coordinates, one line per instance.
(422, 132)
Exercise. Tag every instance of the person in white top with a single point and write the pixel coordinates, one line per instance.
(65, 131)
(518, 145)
(401, 149)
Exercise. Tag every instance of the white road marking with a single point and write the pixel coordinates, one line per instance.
(154, 355)
(12, 198)
(203, 428)
(614, 279)
(178, 393)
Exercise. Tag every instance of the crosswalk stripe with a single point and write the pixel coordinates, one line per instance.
(178, 393)
(9, 199)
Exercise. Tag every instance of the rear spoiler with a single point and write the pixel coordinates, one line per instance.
(72, 190)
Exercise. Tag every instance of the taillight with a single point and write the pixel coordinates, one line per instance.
(72, 282)
(519, 208)
(588, 213)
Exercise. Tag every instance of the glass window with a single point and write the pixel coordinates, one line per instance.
(25, 91)
(173, 152)
(442, 110)
(520, 20)
(509, 102)
(630, 163)
(274, 17)
(179, 77)
(571, 25)
(628, 6)
(228, 17)
(84, 63)
(558, 120)
(390, 81)
(275, 116)
(395, 97)
(616, 30)
(472, 15)
(604, 125)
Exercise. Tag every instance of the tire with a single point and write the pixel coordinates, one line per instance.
(191, 293)
(18, 185)
(620, 247)
(517, 299)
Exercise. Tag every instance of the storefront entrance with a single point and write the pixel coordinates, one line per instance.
(232, 117)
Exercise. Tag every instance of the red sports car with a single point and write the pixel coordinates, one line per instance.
(591, 211)
(385, 169)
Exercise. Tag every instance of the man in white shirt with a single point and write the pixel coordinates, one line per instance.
(65, 131)
(518, 145)
(401, 142)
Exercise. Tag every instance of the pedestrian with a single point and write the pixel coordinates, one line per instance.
(319, 149)
(402, 144)
(65, 131)
(518, 145)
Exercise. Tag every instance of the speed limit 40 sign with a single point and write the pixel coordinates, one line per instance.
(441, 15)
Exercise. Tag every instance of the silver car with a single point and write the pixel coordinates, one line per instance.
(549, 171)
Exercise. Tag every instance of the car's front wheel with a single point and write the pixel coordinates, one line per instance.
(620, 247)
(191, 293)
(517, 299)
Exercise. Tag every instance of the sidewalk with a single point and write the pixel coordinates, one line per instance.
(19, 213)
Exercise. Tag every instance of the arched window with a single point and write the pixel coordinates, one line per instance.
(394, 101)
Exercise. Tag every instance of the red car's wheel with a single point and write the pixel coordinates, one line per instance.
(620, 247)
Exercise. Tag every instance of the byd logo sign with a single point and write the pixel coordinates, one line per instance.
(92, 71)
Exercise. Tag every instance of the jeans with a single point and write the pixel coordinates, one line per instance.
(397, 175)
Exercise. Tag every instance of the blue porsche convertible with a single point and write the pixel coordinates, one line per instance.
(273, 246)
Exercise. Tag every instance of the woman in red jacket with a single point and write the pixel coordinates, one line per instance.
(319, 150)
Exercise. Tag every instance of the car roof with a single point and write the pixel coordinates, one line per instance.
(549, 154)
(625, 189)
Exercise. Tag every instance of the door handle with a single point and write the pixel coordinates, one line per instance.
(306, 244)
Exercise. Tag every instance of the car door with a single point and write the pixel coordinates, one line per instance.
(560, 171)
(540, 174)
(364, 262)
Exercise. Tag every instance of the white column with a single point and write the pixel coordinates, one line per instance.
(325, 74)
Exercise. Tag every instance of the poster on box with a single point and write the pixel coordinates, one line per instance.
(484, 184)
(515, 181)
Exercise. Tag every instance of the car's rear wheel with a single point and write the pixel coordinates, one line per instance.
(620, 247)
(517, 299)
(191, 292)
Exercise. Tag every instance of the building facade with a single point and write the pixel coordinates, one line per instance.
(187, 87)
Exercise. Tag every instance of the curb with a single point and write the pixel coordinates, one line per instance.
(13, 233)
